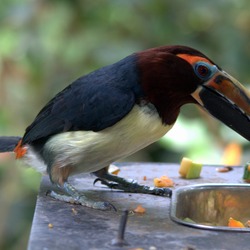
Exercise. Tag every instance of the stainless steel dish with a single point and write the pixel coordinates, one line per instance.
(209, 206)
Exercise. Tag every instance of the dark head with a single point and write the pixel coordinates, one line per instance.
(172, 76)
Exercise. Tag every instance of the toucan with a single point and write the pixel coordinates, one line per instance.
(121, 108)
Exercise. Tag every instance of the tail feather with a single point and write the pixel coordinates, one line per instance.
(8, 143)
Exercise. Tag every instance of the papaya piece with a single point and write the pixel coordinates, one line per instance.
(163, 181)
(235, 223)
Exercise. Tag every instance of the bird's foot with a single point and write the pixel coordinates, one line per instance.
(115, 182)
(75, 197)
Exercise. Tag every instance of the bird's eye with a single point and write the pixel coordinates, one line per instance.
(204, 70)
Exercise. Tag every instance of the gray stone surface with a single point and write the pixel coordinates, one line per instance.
(77, 227)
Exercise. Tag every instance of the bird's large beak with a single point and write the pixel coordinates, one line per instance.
(227, 100)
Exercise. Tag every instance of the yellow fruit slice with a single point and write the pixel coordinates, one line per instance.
(190, 169)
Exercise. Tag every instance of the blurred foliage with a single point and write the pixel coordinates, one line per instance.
(45, 45)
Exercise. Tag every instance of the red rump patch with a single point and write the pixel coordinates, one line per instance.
(20, 150)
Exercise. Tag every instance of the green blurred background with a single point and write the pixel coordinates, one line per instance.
(45, 45)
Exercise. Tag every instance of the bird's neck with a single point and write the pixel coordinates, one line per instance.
(165, 85)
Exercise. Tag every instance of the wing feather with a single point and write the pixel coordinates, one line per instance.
(93, 102)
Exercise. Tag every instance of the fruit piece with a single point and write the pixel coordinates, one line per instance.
(139, 210)
(224, 169)
(234, 223)
(185, 164)
(246, 175)
(247, 224)
(163, 181)
(113, 169)
(74, 211)
(189, 169)
(232, 154)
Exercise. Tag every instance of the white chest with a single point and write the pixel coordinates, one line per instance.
(89, 151)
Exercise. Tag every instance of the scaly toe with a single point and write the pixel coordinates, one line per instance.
(104, 206)
(100, 205)
(62, 197)
(163, 192)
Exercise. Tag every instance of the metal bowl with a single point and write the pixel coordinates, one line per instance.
(209, 206)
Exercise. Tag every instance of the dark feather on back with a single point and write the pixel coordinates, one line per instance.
(93, 102)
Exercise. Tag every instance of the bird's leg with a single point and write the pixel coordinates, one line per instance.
(59, 175)
(116, 182)
(75, 197)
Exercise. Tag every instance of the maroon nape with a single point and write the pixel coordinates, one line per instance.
(167, 81)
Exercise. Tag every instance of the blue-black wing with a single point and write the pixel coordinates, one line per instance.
(93, 102)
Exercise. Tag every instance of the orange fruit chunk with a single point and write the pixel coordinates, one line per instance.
(140, 209)
(163, 181)
(235, 223)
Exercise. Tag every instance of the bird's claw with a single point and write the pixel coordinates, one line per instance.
(132, 186)
(105, 206)
(163, 192)
(81, 200)
(106, 183)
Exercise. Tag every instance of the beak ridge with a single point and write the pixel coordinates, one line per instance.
(228, 101)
